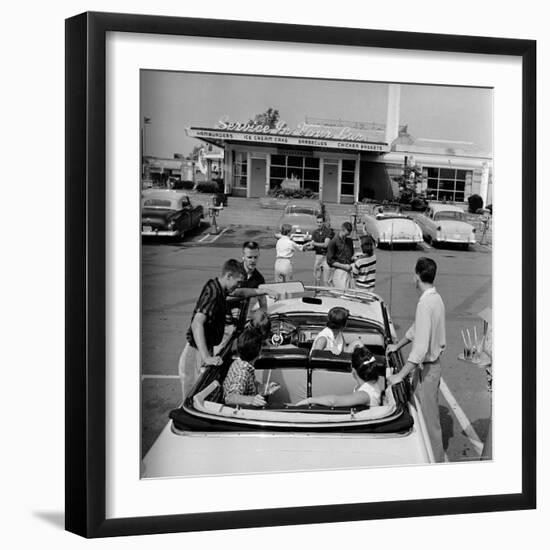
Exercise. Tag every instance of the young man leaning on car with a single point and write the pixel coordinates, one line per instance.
(253, 278)
(427, 335)
(208, 324)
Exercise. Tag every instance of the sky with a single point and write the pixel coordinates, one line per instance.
(177, 100)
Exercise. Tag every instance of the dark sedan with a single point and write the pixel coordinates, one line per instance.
(168, 213)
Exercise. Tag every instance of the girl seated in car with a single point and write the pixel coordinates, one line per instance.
(368, 391)
(259, 321)
(240, 386)
(260, 324)
(331, 338)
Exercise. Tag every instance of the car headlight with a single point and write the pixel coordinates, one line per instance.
(171, 224)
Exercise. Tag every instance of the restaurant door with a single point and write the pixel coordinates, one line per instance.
(330, 182)
(258, 173)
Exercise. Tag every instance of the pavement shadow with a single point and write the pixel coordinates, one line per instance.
(57, 519)
(481, 427)
(447, 426)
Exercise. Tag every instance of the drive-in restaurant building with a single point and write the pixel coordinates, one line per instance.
(345, 161)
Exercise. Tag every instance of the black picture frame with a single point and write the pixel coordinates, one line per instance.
(86, 273)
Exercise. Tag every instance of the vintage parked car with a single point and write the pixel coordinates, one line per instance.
(206, 436)
(302, 216)
(168, 213)
(388, 225)
(446, 223)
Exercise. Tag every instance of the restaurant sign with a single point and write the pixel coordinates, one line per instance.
(303, 135)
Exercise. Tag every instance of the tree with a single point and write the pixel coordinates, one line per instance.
(268, 118)
(475, 203)
(407, 182)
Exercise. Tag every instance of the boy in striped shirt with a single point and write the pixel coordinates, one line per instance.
(363, 269)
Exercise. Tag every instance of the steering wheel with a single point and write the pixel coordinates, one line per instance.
(283, 330)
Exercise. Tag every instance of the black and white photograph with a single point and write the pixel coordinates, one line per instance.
(316, 274)
(269, 284)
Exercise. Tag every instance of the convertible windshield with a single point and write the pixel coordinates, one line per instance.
(390, 216)
(302, 210)
(450, 215)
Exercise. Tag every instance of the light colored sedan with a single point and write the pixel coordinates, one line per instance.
(388, 225)
(446, 223)
(207, 436)
(301, 215)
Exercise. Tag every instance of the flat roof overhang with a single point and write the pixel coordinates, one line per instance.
(220, 138)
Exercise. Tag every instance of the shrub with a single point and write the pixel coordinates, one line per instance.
(184, 184)
(291, 193)
(208, 187)
(475, 202)
(419, 204)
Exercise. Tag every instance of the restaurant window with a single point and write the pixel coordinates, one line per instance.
(303, 170)
(347, 181)
(447, 184)
(240, 167)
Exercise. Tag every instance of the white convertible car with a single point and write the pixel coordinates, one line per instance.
(205, 436)
(446, 223)
(388, 225)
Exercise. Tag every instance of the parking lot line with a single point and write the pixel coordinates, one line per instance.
(461, 417)
(214, 239)
(219, 235)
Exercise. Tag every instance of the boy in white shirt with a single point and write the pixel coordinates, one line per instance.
(285, 249)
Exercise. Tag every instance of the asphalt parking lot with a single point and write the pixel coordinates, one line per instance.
(173, 274)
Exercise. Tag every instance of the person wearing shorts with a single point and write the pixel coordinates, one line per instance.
(339, 257)
(285, 249)
(319, 243)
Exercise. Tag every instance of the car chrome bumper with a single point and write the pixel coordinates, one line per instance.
(300, 238)
(401, 240)
(159, 233)
(455, 241)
